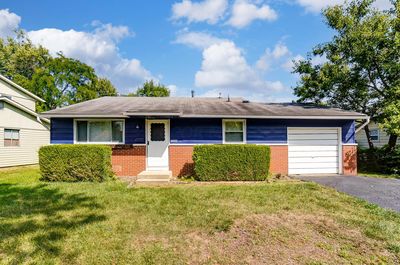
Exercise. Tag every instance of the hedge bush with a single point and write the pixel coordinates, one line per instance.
(231, 162)
(379, 160)
(75, 163)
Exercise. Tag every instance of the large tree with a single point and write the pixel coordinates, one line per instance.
(151, 89)
(362, 67)
(65, 81)
(59, 80)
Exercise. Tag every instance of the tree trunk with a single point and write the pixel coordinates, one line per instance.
(392, 141)
(367, 133)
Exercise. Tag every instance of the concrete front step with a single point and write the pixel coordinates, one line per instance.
(154, 175)
(152, 181)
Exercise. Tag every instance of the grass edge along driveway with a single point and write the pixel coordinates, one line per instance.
(102, 223)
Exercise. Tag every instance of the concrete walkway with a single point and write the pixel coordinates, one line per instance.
(383, 192)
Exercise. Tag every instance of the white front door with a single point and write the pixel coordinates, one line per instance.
(157, 144)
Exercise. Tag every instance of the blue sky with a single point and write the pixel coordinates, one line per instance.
(236, 47)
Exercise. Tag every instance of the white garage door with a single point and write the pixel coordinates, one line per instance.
(313, 150)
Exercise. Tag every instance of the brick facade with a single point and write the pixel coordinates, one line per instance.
(128, 160)
(181, 163)
(349, 158)
(279, 159)
(180, 160)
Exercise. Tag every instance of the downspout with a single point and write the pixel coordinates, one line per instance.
(363, 125)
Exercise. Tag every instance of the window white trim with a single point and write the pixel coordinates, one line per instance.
(91, 120)
(244, 131)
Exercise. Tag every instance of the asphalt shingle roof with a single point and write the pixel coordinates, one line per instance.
(194, 107)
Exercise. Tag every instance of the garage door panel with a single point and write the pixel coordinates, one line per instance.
(313, 154)
(313, 148)
(313, 151)
(320, 159)
(312, 131)
(313, 142)
(314, 171)
(313, 137)
(314, 165)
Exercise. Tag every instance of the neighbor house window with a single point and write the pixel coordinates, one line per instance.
(374, 133)
(11, 137)
(99, 131)
(234, 131)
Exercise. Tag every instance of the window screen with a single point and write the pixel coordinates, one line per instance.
(11, 137)
(157, 132)
(374, 133)
(234, 131)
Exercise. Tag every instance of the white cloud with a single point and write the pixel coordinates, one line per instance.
(289, 64)
(224, 69)
(270, 56)
(244, 12)
(9, 22)
(316, 6)
(173, 89)
(98, 49)
(199, 40)
(209, 11)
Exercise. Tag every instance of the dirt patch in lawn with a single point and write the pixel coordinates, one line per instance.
(285, 239)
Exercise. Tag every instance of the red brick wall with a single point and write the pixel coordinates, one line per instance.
(128, 160)
(181, 163)
(180, 160)
(279, 159)
(349, 160)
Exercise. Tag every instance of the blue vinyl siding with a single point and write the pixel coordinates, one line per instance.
(196, 131)
(62, 131)
(135, 131)
(208, 131)
(266, 131)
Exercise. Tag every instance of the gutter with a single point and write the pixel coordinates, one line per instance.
(363, 125)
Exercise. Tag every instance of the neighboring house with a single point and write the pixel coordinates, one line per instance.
(378, 136)
(22, 131)
(159, 133)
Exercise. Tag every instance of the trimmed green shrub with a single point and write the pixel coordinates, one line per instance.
(379, 160)
(237, 162)
(75, 163)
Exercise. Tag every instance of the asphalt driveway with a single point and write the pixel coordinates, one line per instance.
(383, 192)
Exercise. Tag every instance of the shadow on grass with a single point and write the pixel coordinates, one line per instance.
(34, 220)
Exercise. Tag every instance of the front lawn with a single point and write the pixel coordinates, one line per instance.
(262, 223)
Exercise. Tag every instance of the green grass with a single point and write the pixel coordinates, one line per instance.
(107, 223)
(378, 175)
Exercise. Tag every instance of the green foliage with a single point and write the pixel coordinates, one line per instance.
(59, 80)
(231, 162)
(64, 81)
(362, 70)
(151, 89)
(73, 163)
(380, 160)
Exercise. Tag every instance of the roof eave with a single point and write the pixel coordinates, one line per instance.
(23, 108)
(5, 79)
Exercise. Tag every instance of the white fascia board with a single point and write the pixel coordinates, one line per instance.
(81, 116)
(8, 81)
(23, 108)
(279, 117)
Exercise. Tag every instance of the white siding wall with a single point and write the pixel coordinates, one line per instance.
(32, 136)
(27, 152)
(17, 95)
(362, 138)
